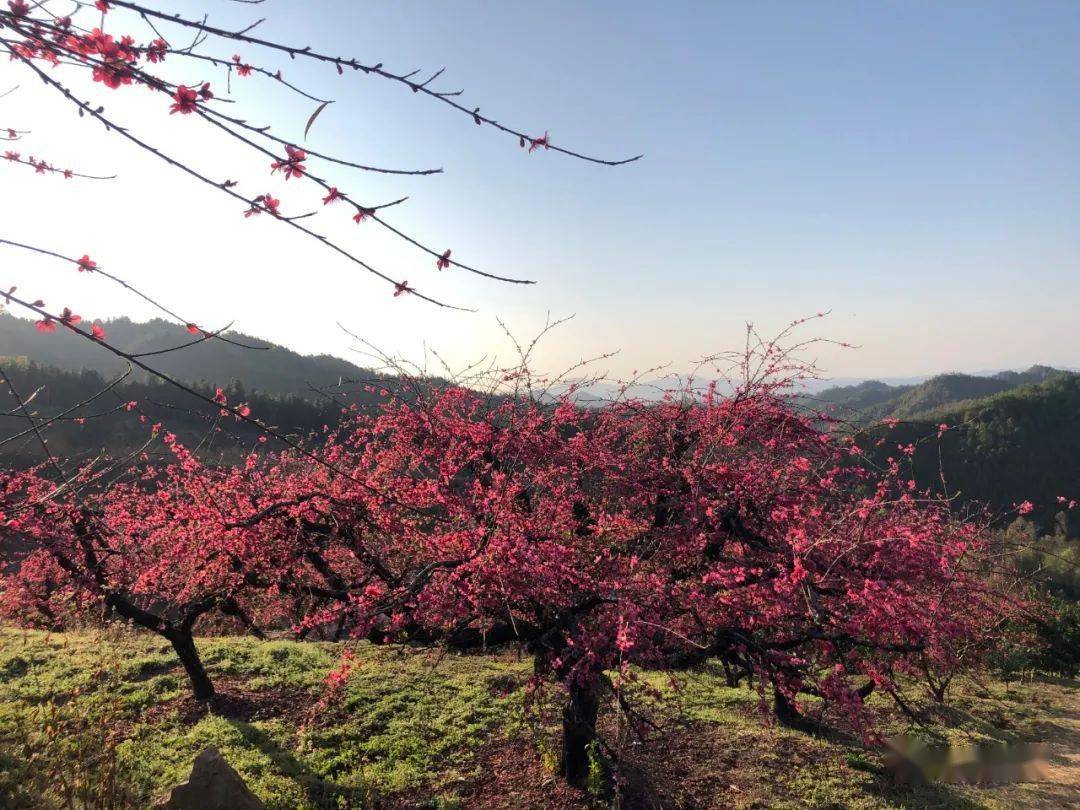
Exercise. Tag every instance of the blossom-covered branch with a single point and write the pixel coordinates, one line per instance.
(117, 61)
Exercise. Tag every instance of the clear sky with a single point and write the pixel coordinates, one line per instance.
(912, 166)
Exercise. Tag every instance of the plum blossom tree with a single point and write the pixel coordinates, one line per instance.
(712, 524)
(653, 534)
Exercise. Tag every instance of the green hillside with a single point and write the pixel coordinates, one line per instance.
(107, 424)
(268, 369)
(942, 391)
(850, 399)
(873, 399)
(1021, 444)
(287, 390)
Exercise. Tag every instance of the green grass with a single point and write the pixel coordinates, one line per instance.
(402, 723)
(86, 715)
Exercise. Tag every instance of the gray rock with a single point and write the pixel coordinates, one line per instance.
(213, 785)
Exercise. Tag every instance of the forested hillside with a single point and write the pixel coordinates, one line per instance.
(873, 399)
(69, 379)
(1019, 445)
(266, 368)
(122, 417)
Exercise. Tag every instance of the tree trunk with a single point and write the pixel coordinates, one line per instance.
(579, 731)
(940, 689)
(184, 644)
(179, 635)
(789, 716)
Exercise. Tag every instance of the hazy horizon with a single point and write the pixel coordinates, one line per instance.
(359, 358)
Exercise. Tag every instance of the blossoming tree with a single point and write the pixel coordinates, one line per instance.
(709, 525)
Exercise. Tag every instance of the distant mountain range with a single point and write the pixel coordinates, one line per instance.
(816, 386)
(874, 399)
(296, 394)
(267, 368)
(1013, 435)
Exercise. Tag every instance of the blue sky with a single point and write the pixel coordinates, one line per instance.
(914, 167)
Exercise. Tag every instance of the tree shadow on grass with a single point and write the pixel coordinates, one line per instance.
(320, 791)
(233, 701)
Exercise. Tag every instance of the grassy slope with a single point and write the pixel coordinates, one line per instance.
(413, 729)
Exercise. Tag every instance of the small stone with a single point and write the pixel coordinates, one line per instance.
(213, 785)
